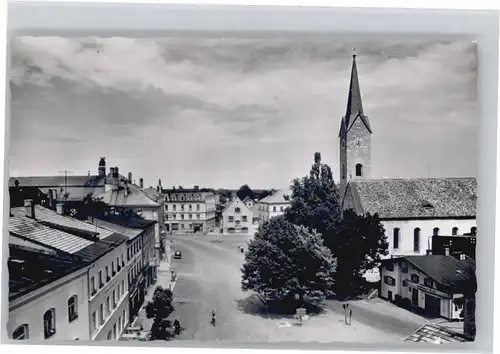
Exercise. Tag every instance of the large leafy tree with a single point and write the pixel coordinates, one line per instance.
(284, 259)
(359, 243)
(159, 309)
(245, 192)
(315, 201)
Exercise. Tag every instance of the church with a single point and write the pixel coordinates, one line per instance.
(411, 210)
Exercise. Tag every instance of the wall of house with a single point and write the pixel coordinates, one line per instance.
(117, 320)
(118, 284)
(233, 222)
(30, 309)
(268, 211)
(407, 227)
(385, 287)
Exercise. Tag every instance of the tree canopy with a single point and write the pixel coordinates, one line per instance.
(315, 200)
(159, 309)
(245, 192)
(284, 259)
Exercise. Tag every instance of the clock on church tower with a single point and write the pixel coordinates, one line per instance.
(359, 142)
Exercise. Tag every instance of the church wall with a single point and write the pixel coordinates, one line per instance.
(407, 227)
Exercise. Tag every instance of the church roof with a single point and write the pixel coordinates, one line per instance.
(354, 103)
(417, 198)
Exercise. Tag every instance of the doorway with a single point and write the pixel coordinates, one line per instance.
(414, 296)
(389, 296)
(432, 305)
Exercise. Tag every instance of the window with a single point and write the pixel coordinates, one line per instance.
(190, 216)
(114, 330)
(21, 333)
(166, 207)
(454, 231)
(415, 278)
(395, 238)
(416, 240)
(231, 218)
(359, 170)
(92, 286)
(473, 230)
(389, 266)
(113, 273)
(101, 314)
(72, 308)
(108, 306)
(190, 207)
(198, 207)
(110, 335)
(428, 282)
(282, 208)
(405, 282)
(244, 218)
(174, 207)
(114, 299)
(107, 274)
(182, 225)
(119, 324)
(435, 232)
(49, 323)
(405, 269)
(123, 319)
(94, 321)
(118, 264)
(123, 287)
(198, 216)
(244, 230)
(174, 198)
(274, 208)
(343, 172)
(182, 216)
(389, 280)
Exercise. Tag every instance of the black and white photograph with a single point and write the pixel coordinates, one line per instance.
(242, 190)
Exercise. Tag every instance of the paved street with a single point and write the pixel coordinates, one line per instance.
(209, 277)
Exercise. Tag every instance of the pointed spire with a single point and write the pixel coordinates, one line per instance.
(354, 105)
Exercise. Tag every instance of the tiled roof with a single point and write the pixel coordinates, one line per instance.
(445, 270)
(436, 334)
(279, 197)
(126, 231)
(135, 197)
(96, 250)
(49, 215)
(417, 198)
(29, 269)
(25, 227)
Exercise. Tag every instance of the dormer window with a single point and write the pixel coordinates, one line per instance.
(427, 205)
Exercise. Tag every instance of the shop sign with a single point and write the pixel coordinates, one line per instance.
(428, 290)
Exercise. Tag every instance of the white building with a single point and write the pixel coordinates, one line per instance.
(104, 251)
(273, 205)
(237, 217)
(427, 284)
(48, 295)
(189, 210)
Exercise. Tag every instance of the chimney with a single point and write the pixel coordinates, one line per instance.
(60, 208)
(102, 167)
(29, 206)
(130, 177)
(141, 183)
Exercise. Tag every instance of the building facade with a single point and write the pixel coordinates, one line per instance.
(273, 205)
(189, 210)
(429, 284)
(47, 295)
(455, 245)
(104, 252)
(237, 218)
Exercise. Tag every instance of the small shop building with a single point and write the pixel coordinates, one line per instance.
(427, 284)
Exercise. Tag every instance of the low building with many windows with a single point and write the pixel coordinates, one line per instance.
(429, 284)
(140, 257)
(237, 218)
(189, 210)
(104, 251)
(47, 294)
(273, 205)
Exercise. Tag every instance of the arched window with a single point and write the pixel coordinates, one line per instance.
(49, 323)
(343, 172)
(237, 210)
(110, 335)
(359, 170)
(435, 232)
(395, 238)
(21, 332)
(454, 231)
(473, 230)
(416, 240)
(72, 308)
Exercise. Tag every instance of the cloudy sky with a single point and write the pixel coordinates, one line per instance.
(224, 112)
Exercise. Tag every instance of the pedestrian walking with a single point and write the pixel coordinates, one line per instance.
(177, 326)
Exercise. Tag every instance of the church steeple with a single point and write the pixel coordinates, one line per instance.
(354, 102)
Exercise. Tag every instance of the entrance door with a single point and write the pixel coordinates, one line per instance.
(432, 305)
(414, 296)
(389, 295)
